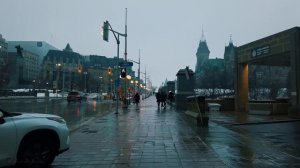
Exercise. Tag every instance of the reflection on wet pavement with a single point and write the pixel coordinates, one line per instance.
(147, 136)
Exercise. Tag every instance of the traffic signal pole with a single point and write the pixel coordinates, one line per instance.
(106, 28)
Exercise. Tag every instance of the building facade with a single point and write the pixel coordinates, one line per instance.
(3, 61)
(30, 67)
(229, 57)
(39, 48)
(214, 73)
(63, 70)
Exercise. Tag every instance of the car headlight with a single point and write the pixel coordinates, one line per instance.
(57, 119)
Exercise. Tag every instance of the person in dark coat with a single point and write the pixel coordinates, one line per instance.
(158, 98)
(163, 99)
(171, 97)
(137, 98)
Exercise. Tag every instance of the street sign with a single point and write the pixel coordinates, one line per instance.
(125, 64)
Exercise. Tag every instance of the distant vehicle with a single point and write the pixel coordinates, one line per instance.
(93, 96)
(31, 139)
(76, 96)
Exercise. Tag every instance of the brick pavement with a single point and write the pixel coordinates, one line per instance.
(138, 137)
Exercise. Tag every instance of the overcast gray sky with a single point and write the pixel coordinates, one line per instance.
(166, 31)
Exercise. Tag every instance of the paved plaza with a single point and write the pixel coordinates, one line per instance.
(148, 136)
(143, 136)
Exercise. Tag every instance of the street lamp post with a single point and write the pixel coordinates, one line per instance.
(85, 86)
(57, 75)
(99, 91)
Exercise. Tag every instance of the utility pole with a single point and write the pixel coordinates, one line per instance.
(125, 36)
(139, 71)
(125, 55)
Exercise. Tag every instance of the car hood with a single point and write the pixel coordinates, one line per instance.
(36, 115)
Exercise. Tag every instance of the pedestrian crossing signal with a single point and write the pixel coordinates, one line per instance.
(123, 73)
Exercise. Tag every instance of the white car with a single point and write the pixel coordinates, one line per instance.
(31, 139)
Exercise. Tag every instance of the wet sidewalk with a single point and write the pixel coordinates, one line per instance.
(243, 118)
(143, 136)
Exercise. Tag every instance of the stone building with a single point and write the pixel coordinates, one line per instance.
(67, 70)
(3, 61)
(229, 57)
(202, 57)
(99, 80)
(63, 70)
(216, 72)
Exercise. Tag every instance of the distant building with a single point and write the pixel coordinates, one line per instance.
(99, 79)
(63, 70)
(30, 67)
(39, 48)
(3, 51)
(3, 61)
(216, 72)
(202, 56)
(18, 70)
(229, 58)
(15, 69)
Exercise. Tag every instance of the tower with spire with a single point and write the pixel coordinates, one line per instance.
(202, 55)
(229, 57)
(68, 48)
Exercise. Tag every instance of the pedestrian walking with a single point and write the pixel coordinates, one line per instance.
(158, 98)
(171, 97)
(163, 99)
(136, 98)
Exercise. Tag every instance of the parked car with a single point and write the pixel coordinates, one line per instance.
(31, 139)
(76, 96)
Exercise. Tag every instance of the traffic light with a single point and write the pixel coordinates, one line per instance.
(123, 72)
(109, 70)
(79, 69)
(105, 31)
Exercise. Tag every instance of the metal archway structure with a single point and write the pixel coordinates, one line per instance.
(281, 49)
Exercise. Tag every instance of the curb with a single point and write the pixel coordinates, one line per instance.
(265, 122)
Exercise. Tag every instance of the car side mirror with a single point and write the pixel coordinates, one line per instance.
(1, 118)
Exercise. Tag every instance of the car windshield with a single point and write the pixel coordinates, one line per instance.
(73, 93)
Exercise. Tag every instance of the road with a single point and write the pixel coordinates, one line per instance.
(74, 113)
